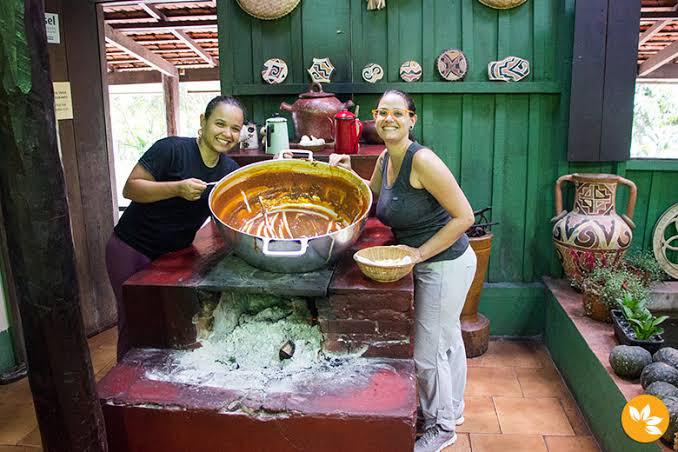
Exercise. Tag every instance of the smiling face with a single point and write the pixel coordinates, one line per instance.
(221, 130)
(394, 121)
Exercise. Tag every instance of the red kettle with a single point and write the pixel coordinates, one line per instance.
(347, 130)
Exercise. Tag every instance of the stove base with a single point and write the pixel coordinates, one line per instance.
(374, 413)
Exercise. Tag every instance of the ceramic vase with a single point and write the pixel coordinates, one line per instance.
(592, 234)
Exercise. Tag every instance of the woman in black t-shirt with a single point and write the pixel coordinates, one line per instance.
(168, 190)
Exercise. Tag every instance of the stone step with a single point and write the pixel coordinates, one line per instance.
(339, 410)
(664, 296)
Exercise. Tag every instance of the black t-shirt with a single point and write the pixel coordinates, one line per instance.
(156, 228)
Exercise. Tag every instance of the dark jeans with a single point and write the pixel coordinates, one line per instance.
(122, 261)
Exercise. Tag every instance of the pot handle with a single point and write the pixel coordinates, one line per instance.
(631, 204)
(303, 246)
(359, 130)
(281, 155)
(560, 213)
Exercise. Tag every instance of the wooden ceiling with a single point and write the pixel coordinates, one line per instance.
(173, 37)
(657, 46)
(181, 35)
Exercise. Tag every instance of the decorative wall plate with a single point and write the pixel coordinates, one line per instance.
(410, 71)
(268, 10)
(321, 70)
(372, 73)
(510, 69)
(275, 71)
(502, 4)
(661, 244)
(452, 64)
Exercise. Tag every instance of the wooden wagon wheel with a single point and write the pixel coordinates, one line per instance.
(661, 245)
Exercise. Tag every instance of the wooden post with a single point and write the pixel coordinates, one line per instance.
(40, 245)
(170, 86)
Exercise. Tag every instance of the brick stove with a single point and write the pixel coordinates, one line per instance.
(373, 413)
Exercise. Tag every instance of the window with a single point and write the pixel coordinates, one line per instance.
(193, 98)
(137, 121)
(655, 121)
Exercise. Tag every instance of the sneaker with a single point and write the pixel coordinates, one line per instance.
(420, 421)
(435, 439)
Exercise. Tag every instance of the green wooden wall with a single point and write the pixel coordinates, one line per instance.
(505, 143)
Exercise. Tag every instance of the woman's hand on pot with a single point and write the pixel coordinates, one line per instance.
(414, 253)
(191, 189)
(341, 160)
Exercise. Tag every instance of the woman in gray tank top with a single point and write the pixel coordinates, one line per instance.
(428, 213)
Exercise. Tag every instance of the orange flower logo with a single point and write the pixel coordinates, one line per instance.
(645, 418)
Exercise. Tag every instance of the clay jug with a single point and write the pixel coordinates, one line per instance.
(314, 111)
(475, 327)
(592, 234)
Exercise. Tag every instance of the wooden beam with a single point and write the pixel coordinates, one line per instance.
(36, 218)
(137, 50)
(654, 29)
(659, 15)
(666, 73)
(187, 75)
(167, 26)
(659, 59)
(170, 87)
(181, 35)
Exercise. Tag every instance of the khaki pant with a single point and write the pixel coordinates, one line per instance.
(439, 292)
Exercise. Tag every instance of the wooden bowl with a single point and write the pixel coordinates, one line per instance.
(373, 262)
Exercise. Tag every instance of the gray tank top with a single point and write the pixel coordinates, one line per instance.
(414, 215)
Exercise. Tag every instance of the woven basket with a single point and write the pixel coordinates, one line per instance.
(383, 273)
(503, 4)
(268, 9)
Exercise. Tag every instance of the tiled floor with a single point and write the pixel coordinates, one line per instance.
(515, 401)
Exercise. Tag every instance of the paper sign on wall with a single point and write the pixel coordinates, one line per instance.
(63, 106)
(52, 28)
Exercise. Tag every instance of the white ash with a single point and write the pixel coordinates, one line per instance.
(241, 351)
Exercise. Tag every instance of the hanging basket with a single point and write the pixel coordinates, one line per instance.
(502, 4)
(268, 9)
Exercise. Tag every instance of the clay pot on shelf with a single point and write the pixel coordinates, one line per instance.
(313, 112)
(595, 307)
(592, 234)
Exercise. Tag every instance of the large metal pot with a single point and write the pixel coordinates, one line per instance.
(326, 206)
(313, 113)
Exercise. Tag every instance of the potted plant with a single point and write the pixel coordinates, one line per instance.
(634, 324)
(644, 264)
(603, 286)
(475, 327)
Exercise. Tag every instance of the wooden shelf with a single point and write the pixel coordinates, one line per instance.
(256, 89)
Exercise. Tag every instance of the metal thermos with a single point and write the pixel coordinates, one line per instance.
(276, 135)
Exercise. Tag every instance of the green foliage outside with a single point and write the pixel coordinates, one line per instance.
(655, 121)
